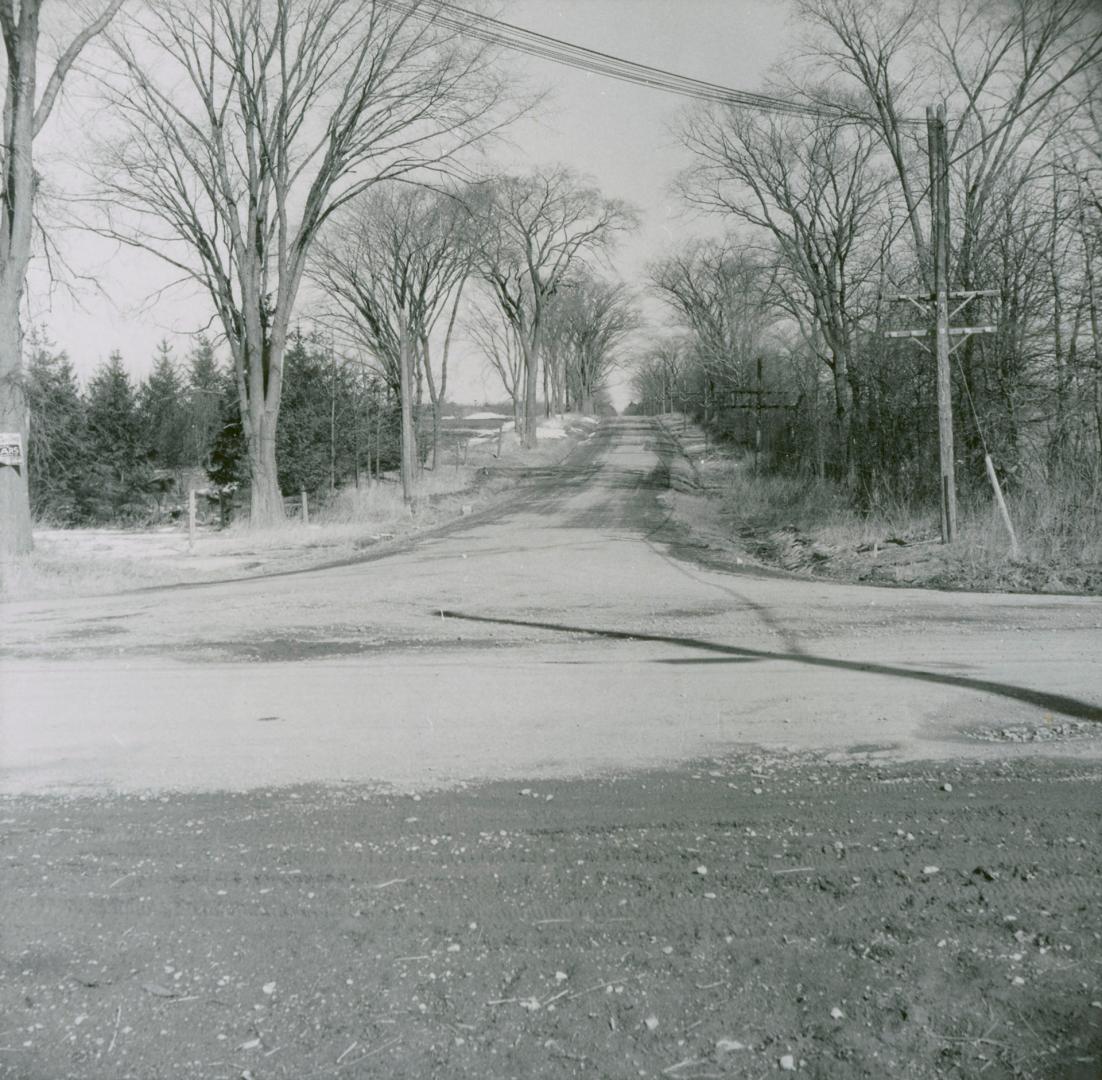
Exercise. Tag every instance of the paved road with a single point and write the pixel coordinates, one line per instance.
(574, 629)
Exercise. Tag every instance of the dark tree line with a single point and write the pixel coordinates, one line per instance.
(118, 451)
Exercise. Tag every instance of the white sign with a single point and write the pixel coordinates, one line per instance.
(11, 448)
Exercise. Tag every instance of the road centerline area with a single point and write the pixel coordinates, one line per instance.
(559, 612)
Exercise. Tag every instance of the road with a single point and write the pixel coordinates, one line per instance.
(576, 629)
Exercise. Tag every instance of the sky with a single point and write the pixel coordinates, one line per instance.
(619, 134)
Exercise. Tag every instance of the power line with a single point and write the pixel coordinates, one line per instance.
(494, 31)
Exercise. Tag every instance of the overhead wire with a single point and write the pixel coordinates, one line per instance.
(495, 31)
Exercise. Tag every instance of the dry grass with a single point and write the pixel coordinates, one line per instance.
(57, 568)
(98, 561)
(802, 523)
(770, 502)
(69, 562)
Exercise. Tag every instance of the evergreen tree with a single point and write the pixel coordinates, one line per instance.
(316, 441)
(303, 449)
(227, 465)
(162, 413)
(57, 455)
(117, 462)
(203, 405)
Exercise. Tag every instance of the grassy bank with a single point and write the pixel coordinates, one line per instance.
(806, 524)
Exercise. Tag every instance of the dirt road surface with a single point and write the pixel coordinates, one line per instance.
(562, 790)
(577, 629)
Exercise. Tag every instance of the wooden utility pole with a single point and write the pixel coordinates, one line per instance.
(760, 393)
(937, 146)
(937, 149)
(405, 388)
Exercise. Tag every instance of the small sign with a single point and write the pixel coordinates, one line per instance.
(11, 448)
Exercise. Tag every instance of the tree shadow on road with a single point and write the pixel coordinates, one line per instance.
(1061, 703)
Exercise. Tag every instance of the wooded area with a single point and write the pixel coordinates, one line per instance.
(116, 452)
(828, 251)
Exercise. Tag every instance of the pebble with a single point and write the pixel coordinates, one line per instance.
(702, 871)
(788, 1063)
(837, 1014)
(727, 1046)
(928, 870)
(652, 1023)
(946, 787)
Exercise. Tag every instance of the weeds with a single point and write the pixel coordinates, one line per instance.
(799, 522)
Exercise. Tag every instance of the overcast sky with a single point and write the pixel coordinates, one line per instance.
(617, 133)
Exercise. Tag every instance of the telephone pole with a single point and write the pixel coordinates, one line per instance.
(937, 146)
(937, 149)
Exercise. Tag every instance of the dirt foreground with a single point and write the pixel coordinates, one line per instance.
(720, 920)
(559, 790)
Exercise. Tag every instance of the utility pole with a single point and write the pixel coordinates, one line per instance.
(759, 394)
(405, 389)
(756, 394)
(937, 150)
(937, 147)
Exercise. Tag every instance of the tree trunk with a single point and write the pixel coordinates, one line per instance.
(15, 507)
(531, 390)
(405, 376)
(16, 223)
(266, 500)
(435, 398)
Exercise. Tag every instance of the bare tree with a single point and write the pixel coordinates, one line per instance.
(661, 375)
(813, 188)
(586, 325)
(1012, 72)
(392, 263)
(496, 338)
(534, 229)
(27, 107)
(247, 124)
(727, 298)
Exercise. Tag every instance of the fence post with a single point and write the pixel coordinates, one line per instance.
(191, 519)
(305, 509)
